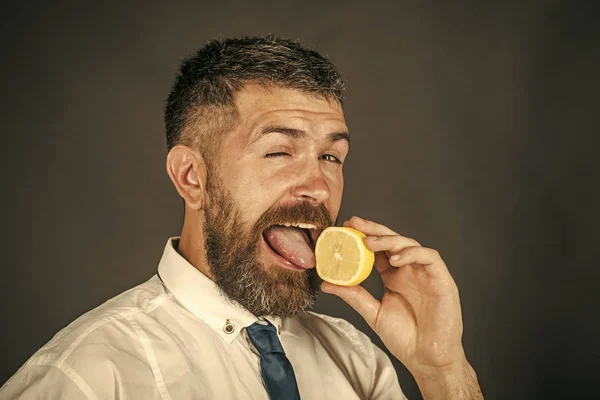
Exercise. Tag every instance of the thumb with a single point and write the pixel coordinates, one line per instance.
(358, 298)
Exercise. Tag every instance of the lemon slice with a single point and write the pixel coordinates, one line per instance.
(342, 257)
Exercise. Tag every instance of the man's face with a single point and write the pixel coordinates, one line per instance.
(282, 165)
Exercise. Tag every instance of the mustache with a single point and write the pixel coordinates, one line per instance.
(299, 212)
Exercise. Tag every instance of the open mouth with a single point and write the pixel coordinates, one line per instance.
(293, 242)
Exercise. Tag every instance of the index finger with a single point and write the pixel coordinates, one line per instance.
(369, 228)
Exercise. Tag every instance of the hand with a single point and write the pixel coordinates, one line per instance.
(419, 317)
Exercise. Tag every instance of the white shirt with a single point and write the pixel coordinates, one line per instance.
(171, 338)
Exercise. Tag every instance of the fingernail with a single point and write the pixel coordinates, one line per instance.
(372, 238)
(395, 258)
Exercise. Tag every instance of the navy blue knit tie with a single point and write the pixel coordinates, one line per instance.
(276, 369)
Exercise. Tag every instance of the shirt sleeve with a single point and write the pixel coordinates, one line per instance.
(45, 382)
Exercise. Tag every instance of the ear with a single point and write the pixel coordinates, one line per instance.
(187, 170)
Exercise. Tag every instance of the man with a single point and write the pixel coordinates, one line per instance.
(257, 140)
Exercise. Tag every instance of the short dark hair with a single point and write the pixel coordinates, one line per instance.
(201, 104)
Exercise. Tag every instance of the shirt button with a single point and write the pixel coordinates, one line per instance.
(228, 328)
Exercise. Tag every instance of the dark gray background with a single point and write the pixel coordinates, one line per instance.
(475, 131)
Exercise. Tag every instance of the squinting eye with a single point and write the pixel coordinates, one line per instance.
(331, 158)
(273, 155)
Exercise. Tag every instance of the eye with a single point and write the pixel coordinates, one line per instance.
(273, 155)
(331, 158)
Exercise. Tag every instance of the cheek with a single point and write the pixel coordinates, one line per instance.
(335, 181)
(256, 192)
(337, 191)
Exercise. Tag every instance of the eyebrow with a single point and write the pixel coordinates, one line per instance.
(300, 134)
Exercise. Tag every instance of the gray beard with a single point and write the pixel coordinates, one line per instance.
(231, 251)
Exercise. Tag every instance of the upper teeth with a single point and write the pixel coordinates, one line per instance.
(301, 225)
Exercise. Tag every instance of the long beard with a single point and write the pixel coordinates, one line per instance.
(232, 249)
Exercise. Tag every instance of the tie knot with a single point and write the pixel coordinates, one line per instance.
(264, 338)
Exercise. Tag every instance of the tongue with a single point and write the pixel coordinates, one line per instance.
(292, 244)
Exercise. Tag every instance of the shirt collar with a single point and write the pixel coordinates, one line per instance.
(202, 297)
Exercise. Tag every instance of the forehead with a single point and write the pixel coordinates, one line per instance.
(257, 106)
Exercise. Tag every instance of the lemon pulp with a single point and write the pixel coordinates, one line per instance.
(342, 257)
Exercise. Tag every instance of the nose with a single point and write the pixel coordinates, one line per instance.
(312, 184)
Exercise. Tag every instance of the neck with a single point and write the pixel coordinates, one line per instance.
(191, 244)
